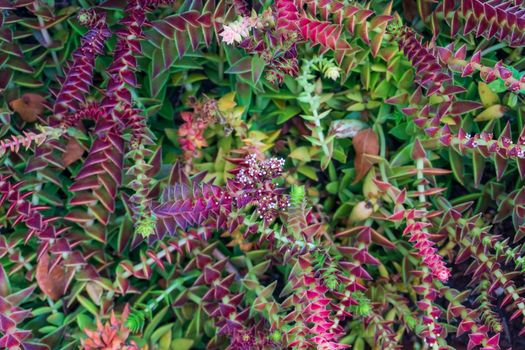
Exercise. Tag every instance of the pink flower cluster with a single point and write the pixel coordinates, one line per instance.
(237, 31)
(190, 133)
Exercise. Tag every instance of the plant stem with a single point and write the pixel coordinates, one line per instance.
(494, 48)
(420, 166)
(319, 132)
(382, 143)
(221, 63)
(176, 284)
(314, 103)
(150, 261)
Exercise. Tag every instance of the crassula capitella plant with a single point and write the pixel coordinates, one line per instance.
(262, 175)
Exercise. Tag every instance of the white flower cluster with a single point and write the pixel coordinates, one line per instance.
(258, 172)
(256, 178)
(332, 72)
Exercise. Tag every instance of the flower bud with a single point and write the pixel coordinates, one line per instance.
(361, 211)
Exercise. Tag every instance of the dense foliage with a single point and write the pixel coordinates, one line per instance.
(288, 174)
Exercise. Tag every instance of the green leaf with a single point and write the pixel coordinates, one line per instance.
(487, 96)
(382, 90)
(268, 290)
(343, 211)
(307, 117)
(56, 319)
(308, 171)
(47, 329)
(27, 81)
(84, 321)
(88, 305)
(258, 65)
(172, 135)
(456, 162)
(41, 311)
(243, 65)
(301, 153)
(187, 63)
(152, 325)
(158, 84)
(497, 86)
(339, 153)
(195, 325)
(478, 163)
(332, 187)
(313, 140)
(161, 331)
(286, 113)
(324, 114)
(181, 344)
(491, 113)
(402, 157)
(399, 131)
(347, 179)
(260, 268)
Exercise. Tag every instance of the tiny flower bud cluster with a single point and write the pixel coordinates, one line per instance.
(268, 205)
(257, 172)
(256, 177)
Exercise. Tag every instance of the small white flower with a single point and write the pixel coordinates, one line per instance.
(332, 72)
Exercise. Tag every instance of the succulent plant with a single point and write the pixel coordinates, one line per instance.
(292, 174)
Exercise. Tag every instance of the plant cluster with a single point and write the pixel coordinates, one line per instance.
(289, 174)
